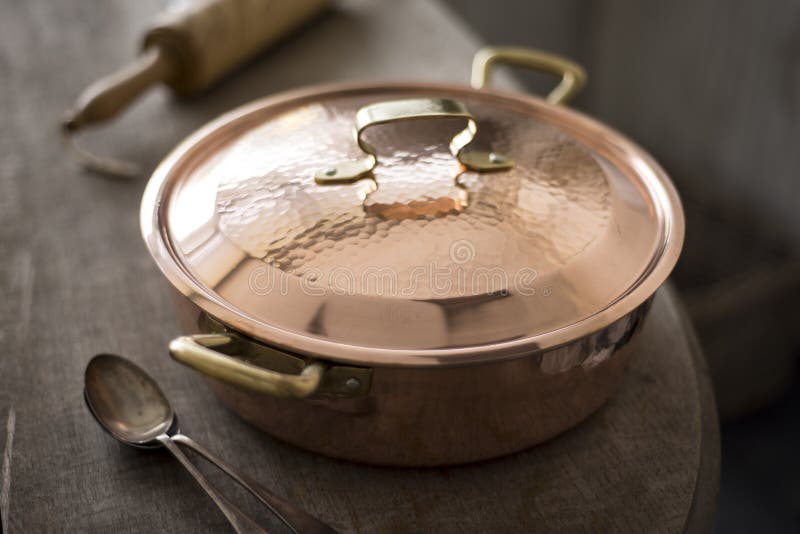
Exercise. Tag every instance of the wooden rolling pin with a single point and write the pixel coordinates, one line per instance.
(188, 50)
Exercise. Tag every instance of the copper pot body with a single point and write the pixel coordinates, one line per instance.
(444, 374)
(429, 416)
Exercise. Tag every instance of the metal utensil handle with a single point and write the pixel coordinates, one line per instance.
(296, 519)
(240, 521)
(197, 353)
(412, 109)
(573, 76)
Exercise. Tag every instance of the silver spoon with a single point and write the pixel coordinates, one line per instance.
(129, 405)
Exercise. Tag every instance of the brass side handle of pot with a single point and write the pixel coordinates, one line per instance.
(573, 76)
(255, 367)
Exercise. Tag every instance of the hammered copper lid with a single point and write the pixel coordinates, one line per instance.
(424, 260)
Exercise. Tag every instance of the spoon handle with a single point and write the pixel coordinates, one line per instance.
(241, 523)
(296, 519)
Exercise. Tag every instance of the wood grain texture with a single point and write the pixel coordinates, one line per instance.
(5, 469)
(77, 280)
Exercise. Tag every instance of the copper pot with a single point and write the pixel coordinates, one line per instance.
(463, 280)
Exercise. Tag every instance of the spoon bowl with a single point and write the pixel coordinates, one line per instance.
(127, 402)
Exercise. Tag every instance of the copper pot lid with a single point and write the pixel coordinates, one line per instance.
(493, 225)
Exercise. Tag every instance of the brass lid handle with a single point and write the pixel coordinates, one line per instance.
(573, 76)
(412, 109)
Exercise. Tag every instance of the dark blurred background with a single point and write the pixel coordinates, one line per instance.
(712, 89)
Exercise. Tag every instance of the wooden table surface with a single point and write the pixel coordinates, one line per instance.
(77, 280)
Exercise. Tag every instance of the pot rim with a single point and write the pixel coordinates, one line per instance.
(617, 148)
